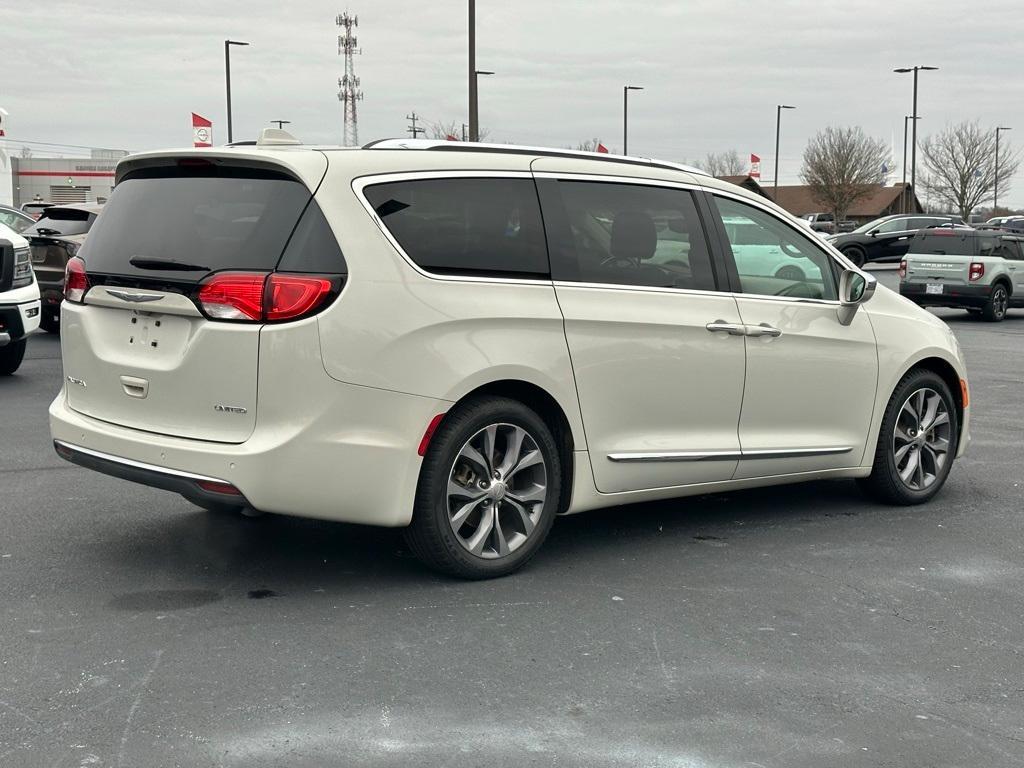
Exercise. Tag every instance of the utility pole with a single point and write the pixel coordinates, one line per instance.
(348, 83)
(913, 140)
(227, 77)
(413, 129)
(903, 197)
(474, 127)
(778, 125)
(995, 196)
(625, 115)
(281, 123)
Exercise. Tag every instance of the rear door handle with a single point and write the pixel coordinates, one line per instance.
(731, 328)
(762, 330)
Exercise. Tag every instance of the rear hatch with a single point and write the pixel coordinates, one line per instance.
(143, 350)
(54, 239)
(941, 258)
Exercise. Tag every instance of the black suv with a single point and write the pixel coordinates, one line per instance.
(887, 238)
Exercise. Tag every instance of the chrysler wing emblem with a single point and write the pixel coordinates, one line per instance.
(136, 298)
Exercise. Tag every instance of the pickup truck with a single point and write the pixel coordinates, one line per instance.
(19, 299)
(981, 271)
(826, 222)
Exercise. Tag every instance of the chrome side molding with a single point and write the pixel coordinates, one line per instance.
(772, 453)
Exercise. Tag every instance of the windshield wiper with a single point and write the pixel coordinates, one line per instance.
(144, 262)
(46, 231)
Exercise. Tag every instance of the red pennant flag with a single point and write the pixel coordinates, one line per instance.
(602, 148)
(755, 166)
(449, 137)
(202, 131)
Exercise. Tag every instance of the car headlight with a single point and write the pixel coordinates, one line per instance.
(22, 268)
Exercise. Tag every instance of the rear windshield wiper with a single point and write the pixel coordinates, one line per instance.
(144, 262)
(46, 231)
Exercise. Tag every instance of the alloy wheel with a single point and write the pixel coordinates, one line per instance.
(921, 439)
(1000, 301)
(496, 490)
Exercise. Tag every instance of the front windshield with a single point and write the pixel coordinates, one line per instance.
(868, 227)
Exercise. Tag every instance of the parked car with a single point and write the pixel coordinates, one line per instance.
(54, 239)
(468, 340)
(887, 238)
(826, 223)
(19, 299)
(35, 208)
(14, 218)
(981, 271)
(997, 221)
(1010, 224)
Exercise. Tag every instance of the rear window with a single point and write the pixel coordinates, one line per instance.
(943, 242)
(465, 226)
(209, 219)
(61, 221)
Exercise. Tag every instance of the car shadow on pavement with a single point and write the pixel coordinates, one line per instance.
(279, 555)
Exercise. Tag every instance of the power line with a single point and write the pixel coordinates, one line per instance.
(413, 130)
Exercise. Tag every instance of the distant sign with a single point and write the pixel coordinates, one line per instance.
(755, 166)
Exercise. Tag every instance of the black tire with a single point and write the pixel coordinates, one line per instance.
(50, 322)
(11, 356)
(856, 254)
(884, 483)
(431, 537)
(998, 302)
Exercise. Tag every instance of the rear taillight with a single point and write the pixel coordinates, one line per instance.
(259, 297)
(76, 282)
(233, 296)
(976, 271)
(903, 269)
(292, 296)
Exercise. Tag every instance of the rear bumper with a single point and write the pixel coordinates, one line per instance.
(185, 483)
(968, 296)
(350, 458)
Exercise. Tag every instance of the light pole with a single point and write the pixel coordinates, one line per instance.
(778, 125)
(281, 123)
(995, 196)
(475, 123)
(903, 197)
(913, 140)
(625, 114)
(473, 127)
(227, 77)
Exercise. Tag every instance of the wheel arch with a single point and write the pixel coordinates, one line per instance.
(549, 409)
(1005, 281)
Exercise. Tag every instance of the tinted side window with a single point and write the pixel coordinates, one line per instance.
(313, 247)
(772, 258)
(894, 225)
(465, 226)
(631, 234)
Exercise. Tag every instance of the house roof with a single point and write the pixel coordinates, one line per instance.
(747, 182)
(799, 200)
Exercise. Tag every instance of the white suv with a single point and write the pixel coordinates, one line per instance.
(468, 340)
(19, 299)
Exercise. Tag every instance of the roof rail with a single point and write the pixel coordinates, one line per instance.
(438, 145)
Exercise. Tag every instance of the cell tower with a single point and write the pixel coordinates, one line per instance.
(349, 83)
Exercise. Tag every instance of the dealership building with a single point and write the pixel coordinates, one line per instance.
(63, 179)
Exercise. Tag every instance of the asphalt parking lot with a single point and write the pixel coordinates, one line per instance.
(799, 626)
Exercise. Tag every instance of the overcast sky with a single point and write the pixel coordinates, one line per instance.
(127, 74)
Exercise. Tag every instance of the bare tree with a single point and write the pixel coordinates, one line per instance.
(841, 165)
(961, 165)
(730, 163)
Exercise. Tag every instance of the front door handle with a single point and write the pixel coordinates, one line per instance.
(763, 330)
(731, 328)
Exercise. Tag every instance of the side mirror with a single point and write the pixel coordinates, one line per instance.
(854, 289)
(873, 233)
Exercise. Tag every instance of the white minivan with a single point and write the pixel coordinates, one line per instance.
(468, 340)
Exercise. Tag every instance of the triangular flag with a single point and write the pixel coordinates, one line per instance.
(602, 148)
(449, 137)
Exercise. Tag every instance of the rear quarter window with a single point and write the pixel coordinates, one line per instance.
(464, 226)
